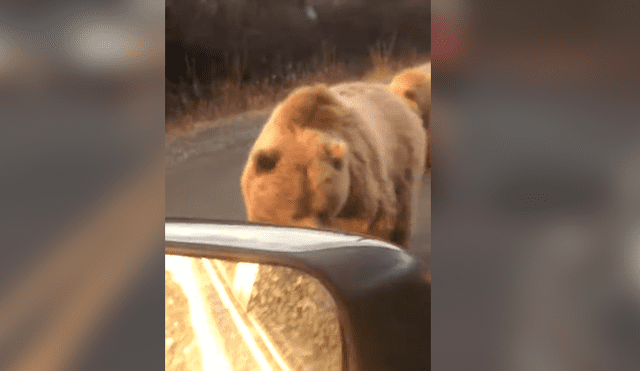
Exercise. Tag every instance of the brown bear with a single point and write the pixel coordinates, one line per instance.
(414, 86)
(350, 157)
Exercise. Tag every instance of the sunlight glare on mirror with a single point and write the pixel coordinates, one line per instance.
(224, 315)
(243, 282)
(207, 337)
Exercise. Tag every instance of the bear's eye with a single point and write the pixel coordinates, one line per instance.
(336, 163)
(266, 161)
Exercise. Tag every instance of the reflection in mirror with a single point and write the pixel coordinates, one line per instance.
(223, 315)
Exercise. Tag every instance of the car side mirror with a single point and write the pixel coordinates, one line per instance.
(243, 296)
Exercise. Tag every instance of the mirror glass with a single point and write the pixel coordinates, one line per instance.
(223, 315)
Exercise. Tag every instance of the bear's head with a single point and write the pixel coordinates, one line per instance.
(414, 86)
(298, 170)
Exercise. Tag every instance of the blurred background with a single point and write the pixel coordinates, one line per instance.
(81, 185)
(536, 185)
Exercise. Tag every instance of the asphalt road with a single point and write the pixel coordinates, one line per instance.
(202, 178)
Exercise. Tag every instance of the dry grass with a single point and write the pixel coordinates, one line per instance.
(381, 59)
(232, 98)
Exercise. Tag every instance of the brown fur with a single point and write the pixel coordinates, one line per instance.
(413, 85)
(348, 157)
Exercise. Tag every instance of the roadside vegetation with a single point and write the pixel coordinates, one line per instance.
(262, 58)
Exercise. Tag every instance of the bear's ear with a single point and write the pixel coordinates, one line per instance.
(335, 152)
(266, 160)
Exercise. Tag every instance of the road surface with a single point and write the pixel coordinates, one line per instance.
(203, 177)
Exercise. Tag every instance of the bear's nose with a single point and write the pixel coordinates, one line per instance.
(303, 202)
